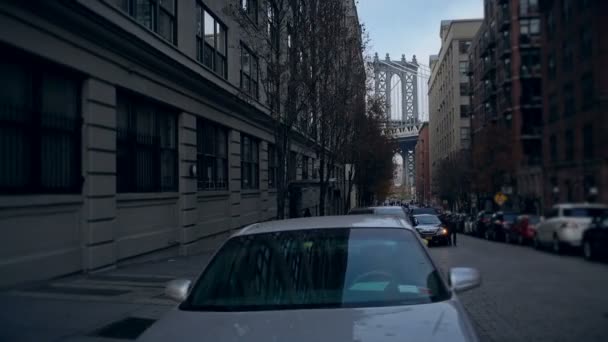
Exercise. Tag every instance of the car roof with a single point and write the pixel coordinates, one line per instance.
(580, 205)
(324, 222)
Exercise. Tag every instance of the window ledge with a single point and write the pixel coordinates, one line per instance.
(19, 201)
(213, 193)
(148, 196)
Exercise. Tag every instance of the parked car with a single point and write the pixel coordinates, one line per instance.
(595, 239)
(383, 210)
(431, 229)
(482, 222)
(499, 226)
(523, 230)
(565, 224)
(320, 279)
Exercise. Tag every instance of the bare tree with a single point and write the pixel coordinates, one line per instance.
(273, 35)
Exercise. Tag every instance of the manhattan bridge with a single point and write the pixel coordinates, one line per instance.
(399, 82)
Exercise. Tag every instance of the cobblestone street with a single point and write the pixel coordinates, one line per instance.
(529, 295)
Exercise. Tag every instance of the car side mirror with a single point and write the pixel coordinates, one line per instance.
(463, 279)
(178, 289)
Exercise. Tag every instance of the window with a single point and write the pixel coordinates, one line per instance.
(250, 178)
(529, 27)
(304, 167)
(211, 43)
(588, 91)
(588, 141)
(464, 111)
(464, 45)
(550, 25)
(250, 7)
(293, 166)
(249, 72)
(530, 62)
(272, 27)
(586, 42)
(211, 155)
(527, 7)
(464, 68)
(146, 155)
(553, 110)
(40, 122)
(157, 15)
(465, 137)
(551, 67)
(553, 147)
(273, 166)
(566, 11)
(568, 100)
(567, 56)
(569, 144)
(464, 88)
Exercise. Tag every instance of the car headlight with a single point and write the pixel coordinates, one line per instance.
(443, 231)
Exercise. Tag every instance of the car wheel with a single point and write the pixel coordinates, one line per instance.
(556, 245)
(588, 250)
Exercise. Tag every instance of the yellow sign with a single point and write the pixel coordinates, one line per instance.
(500, 198)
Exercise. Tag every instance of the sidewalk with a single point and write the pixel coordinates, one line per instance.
(115, 305)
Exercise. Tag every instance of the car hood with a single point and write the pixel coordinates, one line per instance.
(444, 321)
(428, 227)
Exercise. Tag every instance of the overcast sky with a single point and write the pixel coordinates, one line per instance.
(411, 26)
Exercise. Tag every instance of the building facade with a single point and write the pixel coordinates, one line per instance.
(575, 96)
(449, 122)
(506, 106)
(423, 173)
(127, 129)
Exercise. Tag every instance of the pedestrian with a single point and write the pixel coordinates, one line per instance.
(452, 231)
(307, 213)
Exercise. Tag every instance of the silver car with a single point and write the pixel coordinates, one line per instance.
(340, 279)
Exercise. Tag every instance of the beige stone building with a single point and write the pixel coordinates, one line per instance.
(130, 127)
(449, 122)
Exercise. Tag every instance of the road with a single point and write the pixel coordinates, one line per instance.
(530, 295)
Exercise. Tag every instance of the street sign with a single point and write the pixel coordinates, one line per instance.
(500, 198)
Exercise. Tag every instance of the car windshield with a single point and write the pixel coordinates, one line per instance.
(419, 211)
(427, 219)
(360, 211)
(318, 268)
(396, 211)
(585, 212)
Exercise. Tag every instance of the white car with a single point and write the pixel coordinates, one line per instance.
(565, 224)
(342, 279)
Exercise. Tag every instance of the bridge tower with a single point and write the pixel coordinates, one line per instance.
(403, 122)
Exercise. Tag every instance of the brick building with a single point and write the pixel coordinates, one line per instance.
(575, 96)
(507, 104)
(423, 172)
